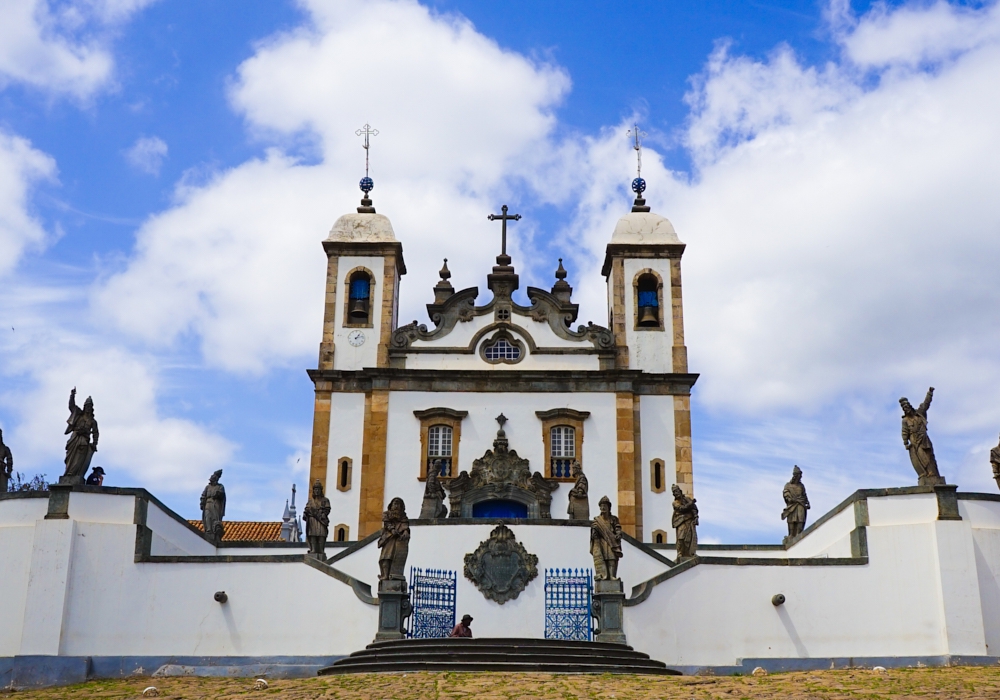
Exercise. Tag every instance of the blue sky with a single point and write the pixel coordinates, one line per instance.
(168, 169)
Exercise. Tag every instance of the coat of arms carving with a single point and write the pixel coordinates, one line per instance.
(501, 567)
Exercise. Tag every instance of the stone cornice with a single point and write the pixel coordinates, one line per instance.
(439, 412)
(527, 381)
(640, 250)
(563, 413)
(367, 249)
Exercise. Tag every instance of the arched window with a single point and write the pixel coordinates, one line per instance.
(439, 444)
(342, 533)
(562, 450)
(500, 350)
(659, 537)
(359, 291)
(657, 476)
(647, 301)
(345, 470)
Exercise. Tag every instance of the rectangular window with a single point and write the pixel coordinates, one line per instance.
(439, 448)
(563, 450)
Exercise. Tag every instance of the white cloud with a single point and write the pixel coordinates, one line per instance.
(146, 154)
(62, 47)
(21, 167)
(137, 445)
(457, 116)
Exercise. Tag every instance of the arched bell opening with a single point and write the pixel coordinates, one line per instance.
(648, 302)
(359, 303)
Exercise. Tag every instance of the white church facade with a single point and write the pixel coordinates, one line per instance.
(99, 581)
(391, 399)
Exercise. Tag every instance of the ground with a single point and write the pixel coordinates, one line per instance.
(948, 683)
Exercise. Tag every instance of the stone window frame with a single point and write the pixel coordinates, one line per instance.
(341, 527)
(439, 415)
(660, 533)
(559, 417)
(659, 300)
(652, 475)
(503, 334)
(346, 321)
(344, 475)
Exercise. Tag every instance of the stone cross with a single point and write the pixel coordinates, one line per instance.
(504, 218)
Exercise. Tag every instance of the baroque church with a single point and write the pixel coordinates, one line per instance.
(396, 400)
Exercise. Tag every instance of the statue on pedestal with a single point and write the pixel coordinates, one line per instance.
(317, 517)
(394, 542)
(6, 465)
(606, 542)
(579, 503)
(796, 503)
(433, 504)
(685, 522)
(81, 426)
(916, 441)
(213, 506)
(995, 463)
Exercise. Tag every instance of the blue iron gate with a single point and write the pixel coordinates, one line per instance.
(568, 595)
(432, 594)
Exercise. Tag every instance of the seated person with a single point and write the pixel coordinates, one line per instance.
(462, 629)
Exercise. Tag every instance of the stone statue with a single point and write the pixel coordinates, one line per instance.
(606, 542)
(433, 505)
(579, 503)
(916, 441)
(6, 465)
(796, 503)
(213, 506)
(81, 426)
(994, 462)
(317, 517)
(394, 542)
(685, 522)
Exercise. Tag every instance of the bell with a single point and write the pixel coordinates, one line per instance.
(648, 316)
(359, 308)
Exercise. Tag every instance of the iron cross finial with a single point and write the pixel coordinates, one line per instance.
(501, 419)
(504, 218)
(366, 131)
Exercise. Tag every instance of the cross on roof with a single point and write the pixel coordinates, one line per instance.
(637, 137)
(504, 218)
(366, 131)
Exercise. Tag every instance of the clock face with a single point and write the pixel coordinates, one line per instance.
(356, 338)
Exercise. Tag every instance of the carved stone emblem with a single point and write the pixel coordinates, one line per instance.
(501, 567)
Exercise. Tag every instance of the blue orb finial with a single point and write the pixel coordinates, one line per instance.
(367, 185)
(638, 186)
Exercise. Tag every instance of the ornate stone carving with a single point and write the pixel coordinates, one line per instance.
(501, 567)
(317, 517)
(685, 522)
(917, 442)
(213, 506)
(501, 475)
(394, 541)
(606, 542)
(81, 426)
(433, 504)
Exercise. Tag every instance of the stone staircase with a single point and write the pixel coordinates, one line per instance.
(497, 654)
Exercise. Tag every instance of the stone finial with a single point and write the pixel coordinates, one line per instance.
(443, 289)
(561, 290)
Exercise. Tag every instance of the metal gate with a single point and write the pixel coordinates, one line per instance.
(568, 594)
(432, 594)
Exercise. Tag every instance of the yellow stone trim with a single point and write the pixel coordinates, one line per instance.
(625, 428)
(326, 346)
(618, 312)
(390, 291)
(684, 476)
(679, 351)
(320, 435)
(373, 462)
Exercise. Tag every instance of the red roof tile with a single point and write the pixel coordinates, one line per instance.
(246, 530)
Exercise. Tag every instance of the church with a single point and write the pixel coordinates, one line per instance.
(393, 400)
(497, 409)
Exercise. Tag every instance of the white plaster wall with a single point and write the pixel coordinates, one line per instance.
(171, 610)
(172, 535)
(656, 424)
(649, 351)
(531, 361)
(347, 424)
(22, 511)
(903, 510)
(835, 530)
(102, 508)
(16, 543)
(479, 429)
(986, 543)
(346, 356)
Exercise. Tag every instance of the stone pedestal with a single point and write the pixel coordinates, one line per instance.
(609, 609)
(931, 481)
(393, 608)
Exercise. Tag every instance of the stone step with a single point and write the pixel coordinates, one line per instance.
(338, 669)
(497, 654)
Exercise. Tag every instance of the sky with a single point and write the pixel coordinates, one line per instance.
(168, 170)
